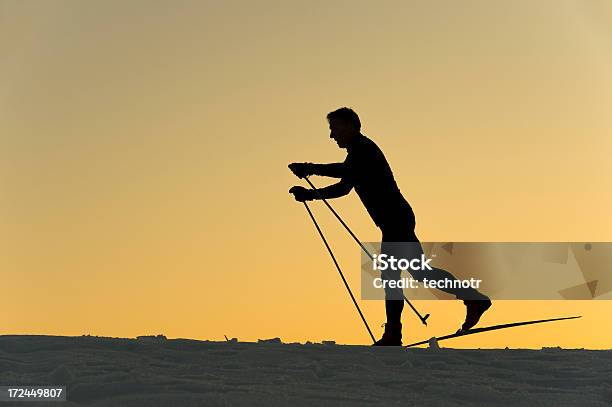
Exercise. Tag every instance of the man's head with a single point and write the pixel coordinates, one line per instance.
(344, 124)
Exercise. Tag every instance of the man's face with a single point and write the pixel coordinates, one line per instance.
(341, 132)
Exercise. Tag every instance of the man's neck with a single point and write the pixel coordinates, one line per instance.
(353, 139)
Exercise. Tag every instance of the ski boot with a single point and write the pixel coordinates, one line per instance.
(392, 335)
(474, 310)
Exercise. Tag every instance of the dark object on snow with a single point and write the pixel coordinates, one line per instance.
(273, 340)
(151, 338)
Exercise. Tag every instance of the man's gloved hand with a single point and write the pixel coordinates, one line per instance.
(301, 170)
(302, 194)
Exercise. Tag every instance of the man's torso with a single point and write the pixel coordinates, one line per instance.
(372, 178)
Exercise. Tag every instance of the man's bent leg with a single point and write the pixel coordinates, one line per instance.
(476, 303)
(446, 282)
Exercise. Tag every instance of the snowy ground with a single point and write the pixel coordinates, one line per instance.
(127, 372)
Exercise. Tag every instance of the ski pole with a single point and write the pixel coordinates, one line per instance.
(418, 314)
(340, 271)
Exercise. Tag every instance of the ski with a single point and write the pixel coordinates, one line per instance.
(490, 328)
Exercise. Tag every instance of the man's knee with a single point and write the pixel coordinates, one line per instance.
(417, 275)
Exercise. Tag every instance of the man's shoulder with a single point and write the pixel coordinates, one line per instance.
(364, 144)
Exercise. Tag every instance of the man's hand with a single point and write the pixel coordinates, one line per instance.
(301, 170)
(301, 194)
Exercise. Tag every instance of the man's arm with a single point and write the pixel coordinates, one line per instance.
(334, 191)
(337, 190)
(334, 170)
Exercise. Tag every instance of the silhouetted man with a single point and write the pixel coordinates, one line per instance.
(367, 170)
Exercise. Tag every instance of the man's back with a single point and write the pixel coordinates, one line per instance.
(367, 169)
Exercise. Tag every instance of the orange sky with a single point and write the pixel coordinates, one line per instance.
(143, 153)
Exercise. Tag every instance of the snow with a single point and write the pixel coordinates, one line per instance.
(100, 371)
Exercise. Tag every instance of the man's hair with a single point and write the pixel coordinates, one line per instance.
(347, 115)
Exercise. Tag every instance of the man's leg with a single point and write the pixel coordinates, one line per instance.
(447, 283)
(413, 250)
(394, 297)
(394, 304)
(475, 302)
(394, 310)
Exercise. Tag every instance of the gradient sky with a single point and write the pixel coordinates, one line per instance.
(144, 149)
